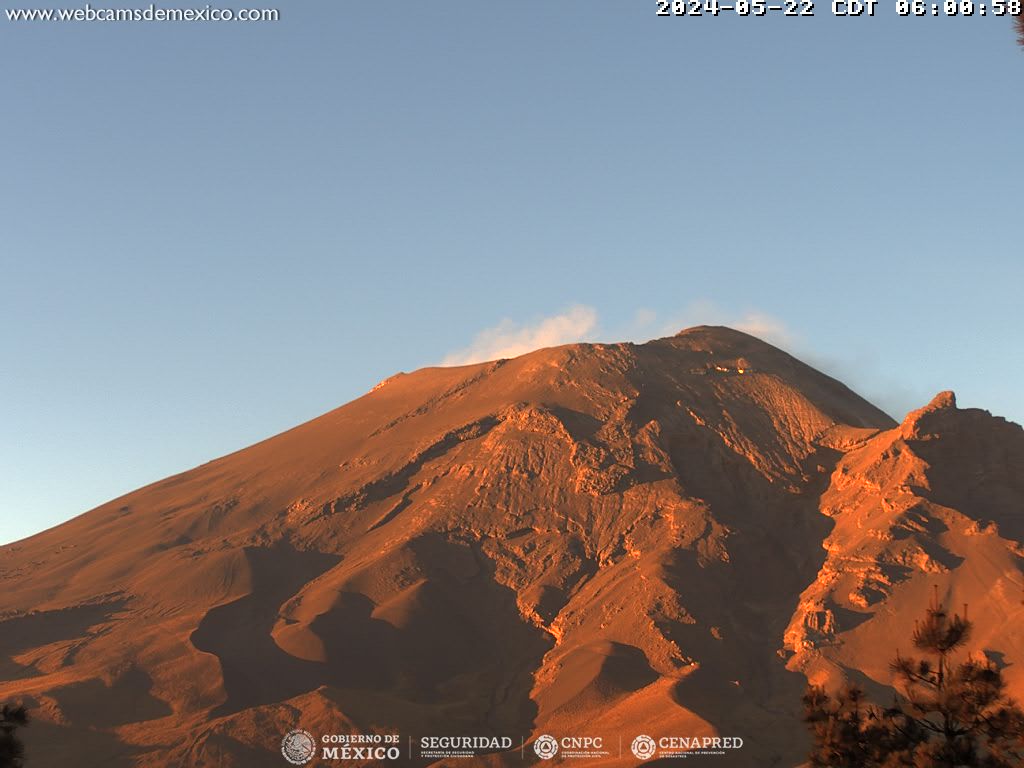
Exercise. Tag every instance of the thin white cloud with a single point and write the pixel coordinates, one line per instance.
(580, 323)
(644, 318)
(510, 339)
(765, 327)
(761, 324)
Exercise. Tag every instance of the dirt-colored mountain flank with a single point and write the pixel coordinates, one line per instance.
(669, 538)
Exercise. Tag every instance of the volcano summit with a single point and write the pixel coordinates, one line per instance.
(666, 539)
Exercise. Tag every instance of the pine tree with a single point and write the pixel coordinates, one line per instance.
(949, 716)
(849, 732)
(11, 749)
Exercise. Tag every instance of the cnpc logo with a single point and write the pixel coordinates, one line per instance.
(547, 746)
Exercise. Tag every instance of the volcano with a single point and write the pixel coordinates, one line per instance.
(589, 541)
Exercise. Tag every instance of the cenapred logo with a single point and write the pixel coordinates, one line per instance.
(298, 746)
(643, 747)
(546, 747)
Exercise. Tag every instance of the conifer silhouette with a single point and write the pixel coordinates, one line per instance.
(11, 749)
(948, 716)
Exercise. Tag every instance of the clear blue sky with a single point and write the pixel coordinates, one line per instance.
(212, 232)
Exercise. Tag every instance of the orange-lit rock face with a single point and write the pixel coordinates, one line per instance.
(666, 538)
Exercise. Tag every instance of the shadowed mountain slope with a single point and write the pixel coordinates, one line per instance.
(664, 538)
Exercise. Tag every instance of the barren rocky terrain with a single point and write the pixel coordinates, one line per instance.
(666, 538)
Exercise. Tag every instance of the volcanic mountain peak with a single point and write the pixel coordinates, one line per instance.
(593, 536)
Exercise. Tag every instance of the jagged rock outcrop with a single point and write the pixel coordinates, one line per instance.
(936, 503)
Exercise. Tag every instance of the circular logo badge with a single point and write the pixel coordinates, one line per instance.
(643, 747)
(298, 747)
(546, 747)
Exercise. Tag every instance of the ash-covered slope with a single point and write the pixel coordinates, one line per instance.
(617, 539)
